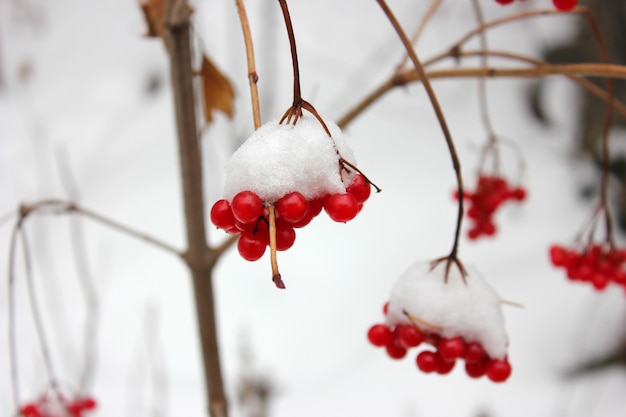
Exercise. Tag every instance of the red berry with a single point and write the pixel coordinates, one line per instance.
(519, 194)
(341, 207)
(444, 366)
(379, 335)
(292, 207)
(557, 255)
(360, 188)
(305, 220)
(88, 403)
(395, 352)
(285, 236)
(427, 361)
(564, 5)
(251, 246)
(475, 369)
(407, 336)
(222, 215)
(30, 410)
(316, 205)
(504, 2)
(386, 308)
(474, 352)
(498, 370)
(451, 349)
(247, 207)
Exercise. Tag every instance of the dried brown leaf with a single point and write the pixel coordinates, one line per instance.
(154, 14)
(217, 91)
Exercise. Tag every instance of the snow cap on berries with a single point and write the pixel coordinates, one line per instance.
(470, 309)
(281, 158)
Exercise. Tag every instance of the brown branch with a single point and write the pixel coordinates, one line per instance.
(419, 69)
(200, 259)
(512, 18)
(432, 8)
(253, 77)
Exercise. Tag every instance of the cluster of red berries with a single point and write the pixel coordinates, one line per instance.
(490, 193)
(247, 214)
(596, 264)
(399, 339)
(561, 5)
(42, 408)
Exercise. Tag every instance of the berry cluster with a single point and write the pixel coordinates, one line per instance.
(397, 340)
(247, 214)
(596, 264)
(561, 5)
(58, 406)
(491, 192)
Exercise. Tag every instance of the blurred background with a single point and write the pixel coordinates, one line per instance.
(86, 114)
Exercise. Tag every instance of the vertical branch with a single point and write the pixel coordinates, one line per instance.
(200, 259)
(253, 77)
(419, 68)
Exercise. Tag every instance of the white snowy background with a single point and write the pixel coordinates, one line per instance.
(86, 108)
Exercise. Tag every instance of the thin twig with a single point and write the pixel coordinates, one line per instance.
(37, 318)
(426, 17)
(62, 206)
(452, 257)
(512, 18)
(482, 82)
(253, 77)
(13, 360)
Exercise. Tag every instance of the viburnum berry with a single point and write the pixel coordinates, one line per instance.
(407, 336)
(360, 189)
(341, 207)
(599, 265)
(443, 366)
(222, 215)
(288, 173)
(475, 369)
(30, 410)
(251, 246)
(292, 207)
(504, 2)
(285, 236)
(247, 207)
(395, 352)
(474, 353)
(498, 370)
(451, 349)
(427, 361)
(491, 192)
(379, 335)
(565, 5)
(473, 333)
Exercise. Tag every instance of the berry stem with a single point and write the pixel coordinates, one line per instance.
(253, 77)
(272, 232)
(419, 68)
(416, 321)
(297, 95)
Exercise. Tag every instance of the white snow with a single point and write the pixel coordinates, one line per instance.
(470, 309)
(281, 158)
(310, 340)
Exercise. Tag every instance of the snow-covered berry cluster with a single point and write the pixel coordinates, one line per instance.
(491, 192)
(55, 404)
(461, 319)
(598, 265)
(298, 170)
(561, 5)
